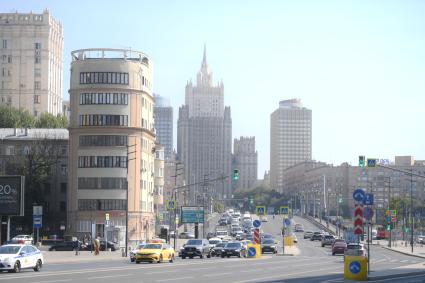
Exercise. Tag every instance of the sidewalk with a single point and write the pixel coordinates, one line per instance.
(83, 256)
(400, 246)
(402, 271)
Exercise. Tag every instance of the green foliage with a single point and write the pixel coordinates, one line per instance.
(262, 196)
(13, 118)
(218, 207)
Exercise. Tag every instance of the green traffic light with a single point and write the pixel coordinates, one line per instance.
(361, 160)
(235, 174)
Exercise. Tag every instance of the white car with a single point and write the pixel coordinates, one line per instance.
(13, 258)
(23, 239)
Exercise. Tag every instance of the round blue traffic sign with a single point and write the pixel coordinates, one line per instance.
(256, 223)
(368, 213)
(355, 267)
(287, 222)
(252, 251)
(358, 195)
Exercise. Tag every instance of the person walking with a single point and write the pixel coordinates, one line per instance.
(96, 244)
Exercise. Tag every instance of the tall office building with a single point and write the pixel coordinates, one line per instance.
(290, 139)
(204, 138)
(112, 144)
(164, 124)
(31, 47)
(245, 160)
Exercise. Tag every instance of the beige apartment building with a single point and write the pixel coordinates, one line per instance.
(112, 145)
(290, 139)
(245, 160)
(31, 48)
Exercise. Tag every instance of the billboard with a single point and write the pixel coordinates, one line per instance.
(192, 214)
(12, 195)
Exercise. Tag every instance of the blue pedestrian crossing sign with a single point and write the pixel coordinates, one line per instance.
(284, 210)
(368, 199)
(171, 205)
(260, 210)
(355, 267)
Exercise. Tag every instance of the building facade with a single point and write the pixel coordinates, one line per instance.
(112, 144)
(164, 124)
(245, 160)
(290, 139)
(31, 53)
(204, 138)
(41, 156)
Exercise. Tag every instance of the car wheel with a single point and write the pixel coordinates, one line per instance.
(172, 258)
(333, 253)
(160, 259)
(131, 259)
(239, 255)
(191, 257)
(17, 267)
(201, 256)
(38, 265)
(323, 246)
(138, 262)
(222, 256)
(228, 256)
(183, 257)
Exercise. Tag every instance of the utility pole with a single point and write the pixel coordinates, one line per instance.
(176, 174)
(126, 207)
(411, 210)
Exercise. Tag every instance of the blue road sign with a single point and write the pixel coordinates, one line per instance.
(358, 195)
(256, 223)
(388, 218)
(260, 210)
(252, 252)
(287, 222)
(355, 267)
(368, 199)
(37, 221)
(368, 213)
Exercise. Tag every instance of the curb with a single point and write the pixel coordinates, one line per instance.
(395, 276)
(405, 253)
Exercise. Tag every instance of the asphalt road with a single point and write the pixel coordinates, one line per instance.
(314, 264)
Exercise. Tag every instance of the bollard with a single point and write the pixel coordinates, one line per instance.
(122, 252)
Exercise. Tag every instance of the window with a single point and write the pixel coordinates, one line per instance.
(104, 98)
(84, 226)
(37, 59)
(102, 204)
(37, 99)
(37, 85)
(103, 120)
(103, 140)
(64, 169)
(102, 161)
(9, 59)
(103, 78)
(63, 188)
(62, 206)
(37, 72)
(102, 183)
(4, 43)
(37, 45)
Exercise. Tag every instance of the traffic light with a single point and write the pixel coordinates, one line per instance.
(371, 162)
(361, 160)
(389, 226)
(251, 200)
(235, 174)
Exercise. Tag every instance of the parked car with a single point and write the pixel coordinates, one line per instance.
(421, 239)
(186, 235)
(327, 240)
(67, 246)
(196, 247)
(111, 245)
(339, 247)
(308, 234)
(233, 249)
(268, 246)
(355, 249)
(23, 239)
(15, 257)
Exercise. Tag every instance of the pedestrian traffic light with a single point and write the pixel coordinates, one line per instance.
(235, 174)
(361, 160)
(389, 226)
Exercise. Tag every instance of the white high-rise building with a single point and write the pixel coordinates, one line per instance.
(31, 48)
(290, 139)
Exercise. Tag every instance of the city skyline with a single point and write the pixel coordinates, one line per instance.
(308, 50)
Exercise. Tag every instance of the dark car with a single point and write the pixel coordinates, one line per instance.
(233, 249)
(327, 240)
(216, 251)
(210, 235)
(338, 247)
(111, 245)
(196, 247)
(317, 236)
(66, 246)
(268, 246)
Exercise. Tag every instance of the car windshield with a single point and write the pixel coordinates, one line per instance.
(153, 246)
(9, 249)
(267, 236)
(214, 242)
(141, 246)
(354, 247)
(221, 233)
(329, 237)
(268, 241)
(233, 245)
(220, 245)
(194, 242)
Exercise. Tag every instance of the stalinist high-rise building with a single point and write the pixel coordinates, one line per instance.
(204, 138)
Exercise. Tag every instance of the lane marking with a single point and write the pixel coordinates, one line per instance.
(217, 274)
(161, 271)
(51, 281)
(173, 279)
(108, 276)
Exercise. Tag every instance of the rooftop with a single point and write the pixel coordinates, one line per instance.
(33, 134)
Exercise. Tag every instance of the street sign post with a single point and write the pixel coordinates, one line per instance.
(358, 220)
(287, 222)
(260, 210)
(368, 213)
(192, 214)
(256, 223)
(284, 210)
(171, 205)
(257, 239)
(359, 195)
(368, 199)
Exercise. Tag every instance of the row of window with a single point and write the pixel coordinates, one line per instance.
(103, 140)
(102, 204)
(103, 120)
(104, 78)
(102, 161)
(104, 98)
(102, 183)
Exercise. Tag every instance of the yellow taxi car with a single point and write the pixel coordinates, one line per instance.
(155, 252)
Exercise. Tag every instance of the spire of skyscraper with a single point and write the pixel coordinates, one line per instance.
(204, 60)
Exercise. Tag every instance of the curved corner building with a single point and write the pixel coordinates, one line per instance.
(112, 145)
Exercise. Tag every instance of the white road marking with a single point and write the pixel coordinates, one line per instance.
(108, 276)
(406, 260)
(162, 271)
(252, 270)
(173, 279)
(217, 274)
(52, 281)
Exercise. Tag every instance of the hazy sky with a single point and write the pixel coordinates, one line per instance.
(359, 65)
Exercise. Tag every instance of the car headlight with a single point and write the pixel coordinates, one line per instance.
(6, 260)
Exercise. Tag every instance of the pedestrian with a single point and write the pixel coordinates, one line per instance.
(96, 244)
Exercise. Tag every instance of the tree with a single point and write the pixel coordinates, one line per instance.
(13, 118)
